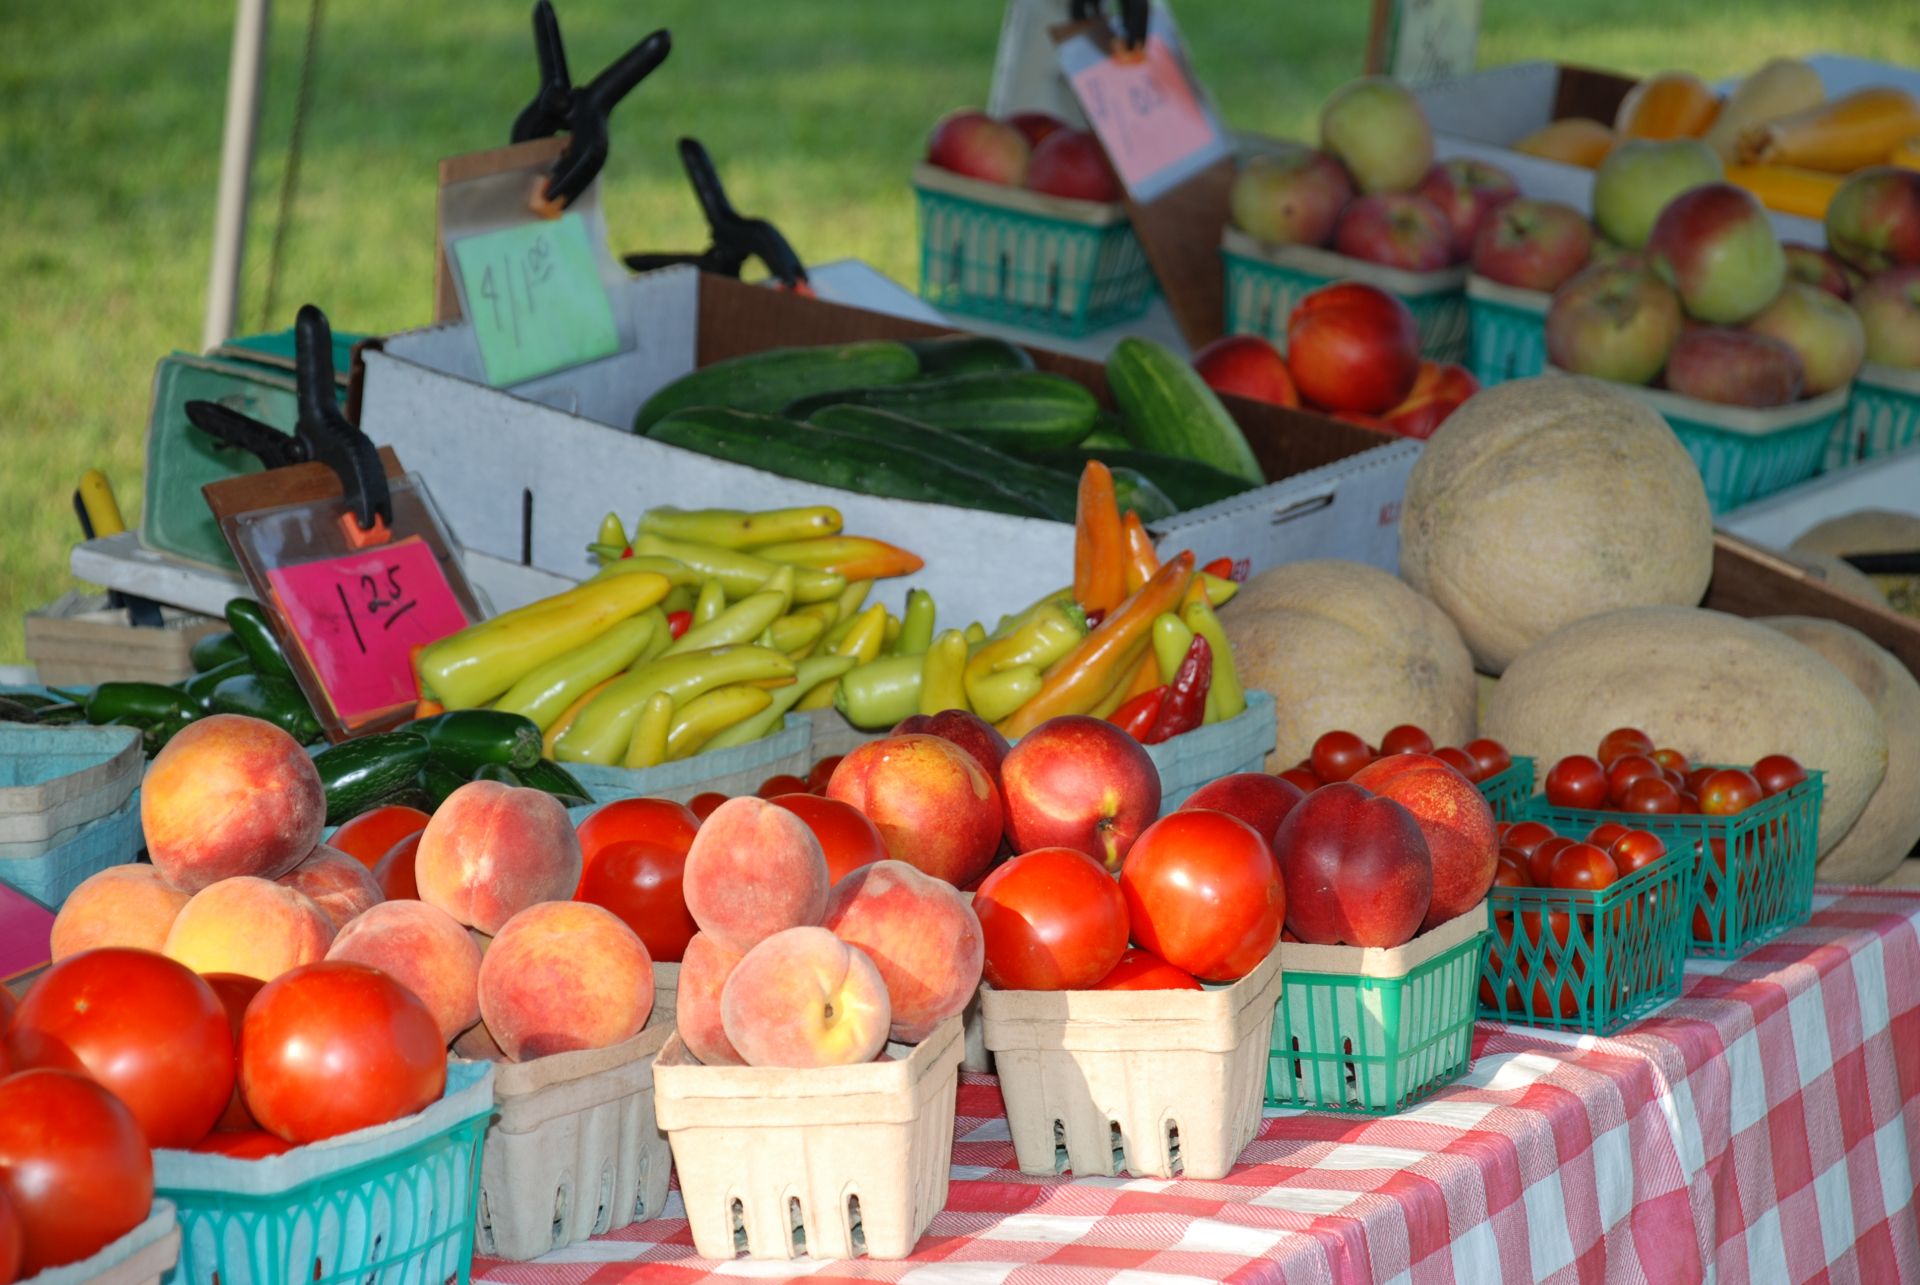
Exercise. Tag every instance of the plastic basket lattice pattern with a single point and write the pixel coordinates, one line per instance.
(1884, 413)
(1507, 792)
(1508, 341)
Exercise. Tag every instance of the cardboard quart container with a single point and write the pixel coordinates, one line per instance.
(831, 1162)
(144, 1256)
(1155, 1083)
(537, 463)
(78, 640)
(56, 779)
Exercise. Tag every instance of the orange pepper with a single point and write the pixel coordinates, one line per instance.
(857, 557)
(1107, 657)
(1146, 675)
(1142, 561)
(424, 708)
(1099, 544)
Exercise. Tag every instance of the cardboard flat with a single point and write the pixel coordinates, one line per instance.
(1750, 581)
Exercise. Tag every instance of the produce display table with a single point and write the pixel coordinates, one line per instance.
(1760, 1128)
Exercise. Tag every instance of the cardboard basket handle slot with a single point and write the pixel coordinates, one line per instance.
(1305, 506)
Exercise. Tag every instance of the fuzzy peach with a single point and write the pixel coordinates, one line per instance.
(564, 975)
(338, 884)
(492, 850)
(805, 998)
(229, 796)
(936, 808)
(919, 932)
(127, 905)
(704, 970)
(753, 870)
(253, 927)
(426, 951)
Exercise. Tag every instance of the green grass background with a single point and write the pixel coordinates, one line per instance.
(110, 116)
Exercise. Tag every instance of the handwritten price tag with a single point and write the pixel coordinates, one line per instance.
(1144, 107)
(535, 298)
(359, 617)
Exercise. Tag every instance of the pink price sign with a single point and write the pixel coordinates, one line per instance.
(359, 617)
(1144, 109)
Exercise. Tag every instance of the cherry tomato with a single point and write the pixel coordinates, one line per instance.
(1577, 782)
(1689, 803)
(1303, 778)
(332, 1047)
(847, 837)
(1051, 919)
(785, 783)
(1525, 836)
(1651, 795)
(1636, 850)
(1544, 1000)
(1204, 893)
(248, 1144)
(1605, 833)
(1406, 739)
(371, 835)
(1581, 865)
(1459, 760)
(1624, 771)
(1777, 773)
(11, 1234)
(1676, 779)
(394, 873)
(702, 805)
(1624, 740)
(1541, 859)
(661, 822)
(73, 1164)
(1142, 970)
(1511, 870)
(1502, 943)
(639, 880)
(147, 1028)
(235, 992)
(1673, 759)
(1338, 755)
(1728, 791)
(1490, 756)
(1693, 780)
(821, 772)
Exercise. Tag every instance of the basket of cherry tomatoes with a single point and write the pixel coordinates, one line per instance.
(1505, 780)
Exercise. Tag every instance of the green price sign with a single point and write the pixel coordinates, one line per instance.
(535, 299)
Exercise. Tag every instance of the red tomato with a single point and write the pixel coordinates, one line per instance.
(1303, 778)
(1624, 740)
(847, 837)
(1689, 803)
(73, 1164)
(821, 772)
(1142, 970)
(1636, 850)
(1672, 759)
(371, 835)
(1204, 893)
(1524, 836)
(1777, 773)
(12, 1235)
(1337, 756)
(1051, 920)
(147, 1028)
(1694, 779)
(235, 992)
(661, 822)
(332, 1047)
(1651, 795)
(1728, 791)
(394, 873)
(1605, 833)
(640, 881)
(1406, 739)
(1540, 860)
(249, 1144)
(1577, 782)
(785, 783)
(1490, 756)
(1624, 771)
(6, 1008)
(1459, 760)
(1581, 865)
(702, 805)
(1677, 780)
(1511, 870)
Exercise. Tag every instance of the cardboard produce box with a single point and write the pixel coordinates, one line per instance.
(537, 463)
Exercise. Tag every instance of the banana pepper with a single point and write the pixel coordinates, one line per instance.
(603, 730)
(545, 694)
(648, 748)
(857, 557)
(879, 694)
(740, 529)
(1225, 697)
(1099, 546)
(916, 624)
(739, 573)
(1046, 636)
(744, 621)
(943, 674)
(709, 714)
(809, 675)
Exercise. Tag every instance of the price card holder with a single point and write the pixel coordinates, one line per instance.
(1420, 42)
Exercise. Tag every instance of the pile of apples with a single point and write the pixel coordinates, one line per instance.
(1627, 774)
(1033, 150)
(1873, 229)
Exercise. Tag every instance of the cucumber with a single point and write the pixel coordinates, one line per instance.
(1169, 408)
(556, 780)
(813, 454)
(1045, 487)
(215, 650)
(1026, 408)
(254, 632)
(1133, 490)
(766, 381)
(967, 355)
(359, 775)
(438, 780)
(276, 700)
(467, 739)
(499, 772)
(1188, 483)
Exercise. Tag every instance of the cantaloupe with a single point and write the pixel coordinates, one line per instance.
(1871, 531)
(1346, 645)
(1717, 688)
(1545, 500)
(1880, 840)
(1838, 574)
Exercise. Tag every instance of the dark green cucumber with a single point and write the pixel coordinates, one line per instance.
(1109, 430)
(467, 739)
(199, 688)
(828, 458)
(1045, 487)
(499, 772)
(556, 780)
(766, 381)
(1169, 408)
(1027, 408)
(215, 650)
(438, 780)
(369, 771)
(254, 632)
(967, 355)
(1134, 491)
(145, 702)
(276, 700)
(1188, 483)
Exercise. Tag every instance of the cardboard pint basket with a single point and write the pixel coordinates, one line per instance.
(144, 1256)
(1157, 1083)
(832, 1162)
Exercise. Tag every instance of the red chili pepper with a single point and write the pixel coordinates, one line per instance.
(1186, 702)
(1139, 714)
(1093, 619)
(1220, 567)
(626, 553)
(678, 622)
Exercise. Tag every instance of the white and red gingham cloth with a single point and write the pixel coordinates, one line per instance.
(1763, 1128)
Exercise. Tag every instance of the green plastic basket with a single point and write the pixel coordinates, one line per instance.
(1622, 957)
(1884, 415)
(1744, 453)
(1508, 331)
(1264, 282)
(1766, 885)
(1507, 792)
(1374, 1045)
(1023, 259)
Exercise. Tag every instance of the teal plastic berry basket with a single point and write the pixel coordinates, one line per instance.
(1753, 871)
(1264, 282)
(1884, 415)
(1507, 792)
(394, 1203)
(1508, 331)
(1604, 959)
(1017, 257)
(1370, 1031)
(1745, 453)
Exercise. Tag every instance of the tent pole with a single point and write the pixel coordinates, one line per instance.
(244, 74)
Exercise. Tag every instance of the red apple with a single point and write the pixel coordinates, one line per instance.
(1715, 245)
(1532, 245)
(1289, 197)
(1035, 126)
(1817, 267)
(1071, 163)
(1260, 800)
(1467, 192)
(1734, 368)
(1398, 229)
(1638, 178)
(1824, 331)
(1352, 347)
(1437, 390)
(1247, 366)
(1356, 869)
(1455, 821)
(966, 729)
(1889, 307)
(936, 808)
(973, 143)
(1614, 323)
(1873, 221)
(1079, 782)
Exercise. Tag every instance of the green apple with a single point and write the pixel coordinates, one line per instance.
(1376, 128)
(1825, 331)
(1639, 178)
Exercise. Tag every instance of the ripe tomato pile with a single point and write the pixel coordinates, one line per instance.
(1337, 755)
(1627, 774)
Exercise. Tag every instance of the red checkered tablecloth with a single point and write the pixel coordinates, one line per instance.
(1762, 1128)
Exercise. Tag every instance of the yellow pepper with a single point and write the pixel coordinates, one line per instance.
(943, 674)
(740, 573)
(739, 529)
(648, 748)
(707, 715)
(545, 694)
(604, 729)
(1001, 695)
(1225, 697)
(810, 675)
(863, 638)
(916, 624)
(711, 601)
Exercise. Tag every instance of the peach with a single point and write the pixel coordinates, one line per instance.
(805, 998)
(120, 906)
(753, 870)
(426, 951)
(492, 850)
(338, 884)
(564, 975)
(936, 808)
(229, 796)
(253, 927)
(919, 932)
(1455, 821)
(704, 970)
